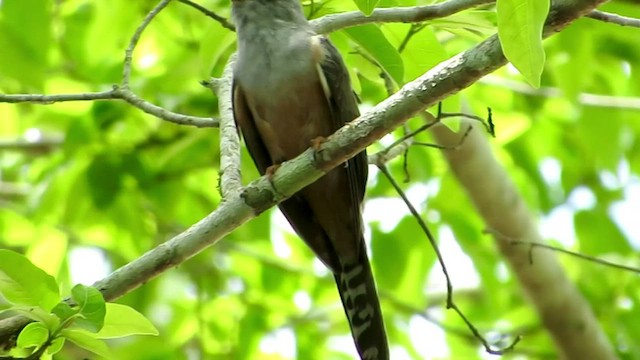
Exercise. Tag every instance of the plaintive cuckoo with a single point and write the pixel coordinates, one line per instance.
(290, 87)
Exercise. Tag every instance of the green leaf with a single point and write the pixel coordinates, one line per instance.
(22, 283)
(599, 235)
(56, 345)
(16, 229)
(372, 41)
(366, 6)
(104, 177)
(422, 52)
(24, 53)
(601, 142)
(215, 43)
(576, 73)
(48, 250)
(64, 311)
(92, 307)
(88, 341)
(520, 24)
(38, 314)
(33, 335)
(122, 320)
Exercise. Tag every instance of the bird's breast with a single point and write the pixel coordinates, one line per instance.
(291, 116)
(284, 93)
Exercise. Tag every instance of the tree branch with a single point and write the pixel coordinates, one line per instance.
(224, 22)
(614, 18)
(162, 113)
(230, 176)
(330, 23)
(618, 102)
(128, 54)
(117, 93)
(593, 259)
(561, 307)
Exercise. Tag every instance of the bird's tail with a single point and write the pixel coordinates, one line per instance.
(362, 307)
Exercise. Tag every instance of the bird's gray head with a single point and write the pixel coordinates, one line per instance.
(264, 13)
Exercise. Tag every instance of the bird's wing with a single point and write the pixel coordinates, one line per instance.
(327, 214)
(246, 124)
(344, 108)
(296, 208)
(354, 278)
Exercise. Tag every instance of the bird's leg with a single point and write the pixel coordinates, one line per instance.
(316, 144)
(271, 170)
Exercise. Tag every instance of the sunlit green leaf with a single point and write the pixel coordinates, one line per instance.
(22, 283)
(373, 42)
(56, 345)
(91, 307)
(520, 25)
(122, 320)
(366, 6)
(25, 52)
(599, 235)
(88, 341)
(51, 321)
(33, 335)
(64, 311)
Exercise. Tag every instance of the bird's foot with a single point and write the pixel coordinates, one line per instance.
(271, 170)
(316, 145)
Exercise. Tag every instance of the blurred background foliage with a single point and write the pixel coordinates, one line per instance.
(86, 187)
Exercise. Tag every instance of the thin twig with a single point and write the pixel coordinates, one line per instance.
(223, 21)
(417, 14)
(421, 223)
(487, 123)
(51, 99)
(607, 101)
(445, 147)
(117, 93)
(614, 18)
(155, 110)
(389, 84)
(573, 253)
(450, 303)
(402, 145)
(128, 54)
(23, 145)
(415, 28)
(413, 14)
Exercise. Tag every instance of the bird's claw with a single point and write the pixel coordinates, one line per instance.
(316, 144)
(271, 170)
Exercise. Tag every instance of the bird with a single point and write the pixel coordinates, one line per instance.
(291, 89)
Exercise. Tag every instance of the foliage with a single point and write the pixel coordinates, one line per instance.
(84, 320)
(86, 187)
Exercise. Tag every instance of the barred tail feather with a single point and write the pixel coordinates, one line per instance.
(362, 307)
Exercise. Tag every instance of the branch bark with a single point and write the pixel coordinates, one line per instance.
(564, 312)
(117, 93)
(412, 14)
